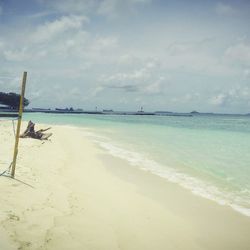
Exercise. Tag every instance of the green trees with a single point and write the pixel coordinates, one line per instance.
(12, 100)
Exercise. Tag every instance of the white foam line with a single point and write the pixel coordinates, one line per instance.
(196, 186)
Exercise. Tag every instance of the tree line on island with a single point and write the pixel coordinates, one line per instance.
(12, 100)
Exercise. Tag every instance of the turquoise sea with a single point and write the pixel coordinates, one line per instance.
(207, 154)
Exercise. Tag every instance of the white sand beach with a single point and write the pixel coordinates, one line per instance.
(70, 194)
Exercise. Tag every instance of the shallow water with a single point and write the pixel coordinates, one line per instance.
(207, 154)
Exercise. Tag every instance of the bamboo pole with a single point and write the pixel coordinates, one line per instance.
(13, 168)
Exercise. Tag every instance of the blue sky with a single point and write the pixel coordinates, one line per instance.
(123, 54)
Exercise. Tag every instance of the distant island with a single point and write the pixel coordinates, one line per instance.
(11, 100)
(70, 110)
(194, 112)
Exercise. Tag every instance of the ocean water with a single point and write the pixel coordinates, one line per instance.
(206, 154)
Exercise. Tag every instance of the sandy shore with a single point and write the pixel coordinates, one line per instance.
(70, 194)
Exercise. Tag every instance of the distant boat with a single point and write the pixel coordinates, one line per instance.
(65, 109)
(140, 111)
(163, 112)
(40, 109)
(194, 112)
(107, 110)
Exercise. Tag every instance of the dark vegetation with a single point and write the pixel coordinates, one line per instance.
(12, 100)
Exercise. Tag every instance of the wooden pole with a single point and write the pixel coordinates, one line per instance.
(13, 168)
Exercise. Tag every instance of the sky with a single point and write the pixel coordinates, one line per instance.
(123, 54)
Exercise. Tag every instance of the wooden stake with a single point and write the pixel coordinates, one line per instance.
(13, 168)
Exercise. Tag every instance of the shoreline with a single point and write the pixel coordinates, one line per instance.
(195, 185)
(81, 192)
(104, 112)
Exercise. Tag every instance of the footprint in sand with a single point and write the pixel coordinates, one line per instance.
(13, 217)
(24, 245)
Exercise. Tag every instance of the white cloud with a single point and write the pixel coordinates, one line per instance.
(200, 56)
(120, 79)
(62, 39)
(144, 80)
(180, 48)
(239, 53)
(50, 30)
(2, 45)
(42, 14)
(128, 59)
(239, 95)
(156, 87)
(219, 100)
(104, 43)
(18, 55)
(9, 84)
(246, 74)
(134, 54)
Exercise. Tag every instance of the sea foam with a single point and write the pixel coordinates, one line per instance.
(195, 185)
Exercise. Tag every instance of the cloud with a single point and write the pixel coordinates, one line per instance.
(225, 9)
(157, 87)
(52, 39)
(17, 55)
(42, 14)
(142, 70)
(9, 84)
(219, 100)
(2, 45)
(185, 47)
(120, 79)
(180, 48)
(64, 38)
(145, 80)
(239, 53)
(203, 56)
(235, 96)
(246, 74)
(58, 27)
(125, 87)
(104, 43)
(60, 51)
(109, 52)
